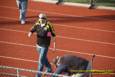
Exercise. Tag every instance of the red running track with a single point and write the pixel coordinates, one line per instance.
(80, 31)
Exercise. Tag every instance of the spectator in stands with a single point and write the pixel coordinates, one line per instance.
(92, 4)
(45, 32)
(22, 5)
(70, 64)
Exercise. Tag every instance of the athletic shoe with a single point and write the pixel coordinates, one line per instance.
(92, 7)
(23, 22)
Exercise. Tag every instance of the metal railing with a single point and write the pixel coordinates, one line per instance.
(18, 70)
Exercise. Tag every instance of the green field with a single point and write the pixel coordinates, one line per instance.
(98, 2)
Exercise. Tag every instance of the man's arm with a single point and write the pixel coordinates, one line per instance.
(54, 40)
(53, 35)
(29, 34)
(60, 69)
(33, 29)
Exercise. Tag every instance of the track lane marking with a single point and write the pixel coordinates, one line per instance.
(65, 37)
(83, 53)
(31, 10)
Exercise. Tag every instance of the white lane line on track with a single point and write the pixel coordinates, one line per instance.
(64, 37)
(103, 56)
(31, 10)
(9, 18)
(69, 15)
(27, 60)
(37, 11)
(92, 29)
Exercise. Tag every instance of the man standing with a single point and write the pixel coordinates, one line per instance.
(92, 4)
(70, 64)
(44, 31)
(22, 5)
(59, 2)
